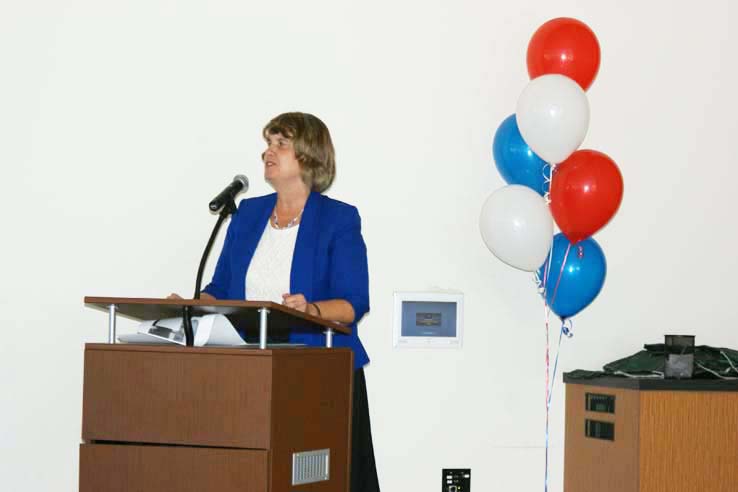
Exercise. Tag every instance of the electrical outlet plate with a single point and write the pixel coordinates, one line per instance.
(456, 480)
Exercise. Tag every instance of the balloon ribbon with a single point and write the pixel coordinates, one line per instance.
(565, 330)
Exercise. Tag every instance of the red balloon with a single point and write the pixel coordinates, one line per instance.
(567, 47)
(586, 191)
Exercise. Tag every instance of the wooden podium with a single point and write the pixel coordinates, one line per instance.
(645, 435)
(171, 418)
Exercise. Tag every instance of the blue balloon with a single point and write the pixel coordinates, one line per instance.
(515, 161)
(581, 279)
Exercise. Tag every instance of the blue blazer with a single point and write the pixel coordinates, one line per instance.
(329, 261)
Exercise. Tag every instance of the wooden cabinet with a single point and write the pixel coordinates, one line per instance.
(158, 418)
(627, 435)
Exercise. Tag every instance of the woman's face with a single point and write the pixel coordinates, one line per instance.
(280, 163)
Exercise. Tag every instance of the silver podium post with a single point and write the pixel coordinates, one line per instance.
(111, 323)
(263, 313)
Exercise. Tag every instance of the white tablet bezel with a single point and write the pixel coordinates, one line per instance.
(428, 342)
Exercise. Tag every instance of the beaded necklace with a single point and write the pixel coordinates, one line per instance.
(292, 223)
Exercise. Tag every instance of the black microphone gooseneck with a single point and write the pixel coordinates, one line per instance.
(228, 208)
(226, 204)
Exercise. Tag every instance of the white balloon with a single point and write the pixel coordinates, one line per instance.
(553, 116)
(517, 227)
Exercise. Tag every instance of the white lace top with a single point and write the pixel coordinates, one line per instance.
(268, 276)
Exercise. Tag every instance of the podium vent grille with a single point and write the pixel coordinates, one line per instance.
(311, 466)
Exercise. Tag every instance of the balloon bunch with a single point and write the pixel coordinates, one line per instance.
(549, 180)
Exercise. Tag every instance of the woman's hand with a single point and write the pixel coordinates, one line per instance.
(330, 309)
(203, 297)
(296, 301)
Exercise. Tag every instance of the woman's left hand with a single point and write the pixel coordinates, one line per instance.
(295, 301)
(338, 310)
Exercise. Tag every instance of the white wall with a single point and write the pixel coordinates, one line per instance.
(119, 120)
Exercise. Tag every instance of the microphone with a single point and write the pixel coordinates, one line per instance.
(240, 183)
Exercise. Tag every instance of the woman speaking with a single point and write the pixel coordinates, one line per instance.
(302, 249)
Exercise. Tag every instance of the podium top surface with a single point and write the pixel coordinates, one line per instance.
(243, 312)
(657, 384)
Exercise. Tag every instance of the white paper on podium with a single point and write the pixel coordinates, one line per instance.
(211, 330)
(216, 330)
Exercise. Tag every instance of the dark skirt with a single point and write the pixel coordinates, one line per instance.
(363, 467)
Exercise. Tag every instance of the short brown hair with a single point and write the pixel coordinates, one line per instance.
(313, 147)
